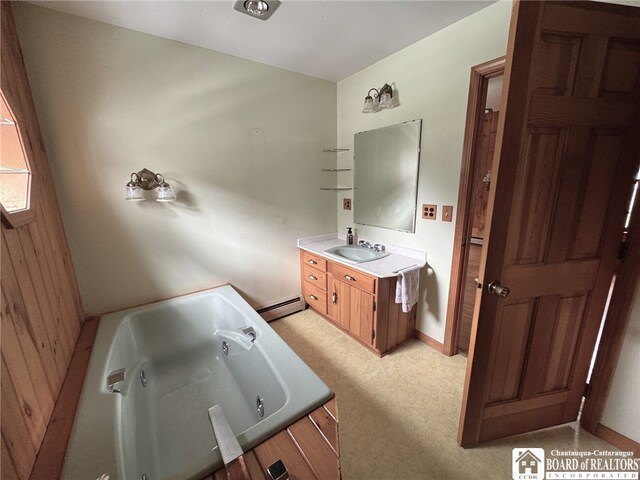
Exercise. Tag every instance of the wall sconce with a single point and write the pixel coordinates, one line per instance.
(381, 99)
(147, 180)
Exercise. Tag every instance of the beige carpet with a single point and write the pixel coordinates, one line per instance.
(399, 414)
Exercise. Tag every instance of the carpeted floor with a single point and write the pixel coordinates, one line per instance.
(399, 414)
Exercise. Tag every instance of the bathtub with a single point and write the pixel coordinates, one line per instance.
(180, 357)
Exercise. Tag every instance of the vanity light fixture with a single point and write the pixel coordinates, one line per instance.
(147, 180)
(261, 9)
(380, 100)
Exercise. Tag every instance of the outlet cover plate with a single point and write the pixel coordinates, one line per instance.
(346, 203)
(429, 211)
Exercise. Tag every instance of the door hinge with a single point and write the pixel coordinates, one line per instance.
(622, 252)
(374, 305)
(587, 390)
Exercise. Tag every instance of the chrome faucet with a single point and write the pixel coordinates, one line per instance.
(250, 331)
(378, 247)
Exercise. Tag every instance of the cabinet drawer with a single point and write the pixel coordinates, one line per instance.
(314, 277)
(315, 261)
(316, 298)
(353, 277)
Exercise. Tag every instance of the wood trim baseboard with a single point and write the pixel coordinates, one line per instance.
(50, 458)
(617, 439)
(426, 339)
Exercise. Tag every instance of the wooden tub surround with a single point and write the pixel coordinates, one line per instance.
(309, 448)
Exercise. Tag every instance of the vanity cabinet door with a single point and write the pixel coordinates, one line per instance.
(338, 302)
(351, 309)
(361, 315)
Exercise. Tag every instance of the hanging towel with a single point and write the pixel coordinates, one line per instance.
(407, 287)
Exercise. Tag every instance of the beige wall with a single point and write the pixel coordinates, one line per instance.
(241, 143)
(621, 412)
(431, 79)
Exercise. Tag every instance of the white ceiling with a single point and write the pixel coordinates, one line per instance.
(324, 39)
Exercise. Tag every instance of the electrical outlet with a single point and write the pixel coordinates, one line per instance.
(346, 203)
(447, 213)
(429, 212)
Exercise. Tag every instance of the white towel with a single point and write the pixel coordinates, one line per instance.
(407, 288)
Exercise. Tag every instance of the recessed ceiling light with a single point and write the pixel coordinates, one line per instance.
(261, 9)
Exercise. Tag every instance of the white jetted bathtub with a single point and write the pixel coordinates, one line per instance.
(154, 372)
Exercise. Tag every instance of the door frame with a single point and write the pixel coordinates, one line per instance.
(614, 331)
(480, 76)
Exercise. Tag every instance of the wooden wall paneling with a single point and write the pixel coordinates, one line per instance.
(7, 468)
(25, 373)
(60, 309)
(20, 240)
(26, 318)
(483, 167)
(41, 308)
(15, 432)
(58, 259)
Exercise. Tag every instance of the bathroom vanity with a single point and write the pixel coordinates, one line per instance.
(358, 298)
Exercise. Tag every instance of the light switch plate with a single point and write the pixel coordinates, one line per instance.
(429, 212)
(447, 213)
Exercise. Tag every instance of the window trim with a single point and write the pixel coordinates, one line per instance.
(26, 215)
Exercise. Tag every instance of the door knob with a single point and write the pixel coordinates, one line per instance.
(497, 289)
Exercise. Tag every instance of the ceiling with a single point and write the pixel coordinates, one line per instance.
(324, 39)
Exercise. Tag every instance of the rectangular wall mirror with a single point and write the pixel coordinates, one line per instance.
(385, 176)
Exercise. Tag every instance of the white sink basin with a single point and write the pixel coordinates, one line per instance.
(355, 253)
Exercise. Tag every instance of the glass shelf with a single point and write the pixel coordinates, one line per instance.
(336, 188)
(335, 150)
(335, 169)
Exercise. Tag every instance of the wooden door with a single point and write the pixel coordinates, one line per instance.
(566, 153)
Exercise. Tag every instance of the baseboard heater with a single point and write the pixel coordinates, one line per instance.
(282, 309)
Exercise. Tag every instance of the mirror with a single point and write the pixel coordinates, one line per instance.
(385, 176)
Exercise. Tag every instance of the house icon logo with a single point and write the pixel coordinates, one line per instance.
(528, 463)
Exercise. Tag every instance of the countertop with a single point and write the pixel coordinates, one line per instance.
(399, 258)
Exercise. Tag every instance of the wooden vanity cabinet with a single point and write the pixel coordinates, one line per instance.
(313, 269)
(361, 305)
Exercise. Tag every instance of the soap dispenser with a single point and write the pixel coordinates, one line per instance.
(349, 236)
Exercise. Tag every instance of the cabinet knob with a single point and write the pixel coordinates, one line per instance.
(312, 296)
(334, 297)
(349, 277)
(313, 262)
(313, 277)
